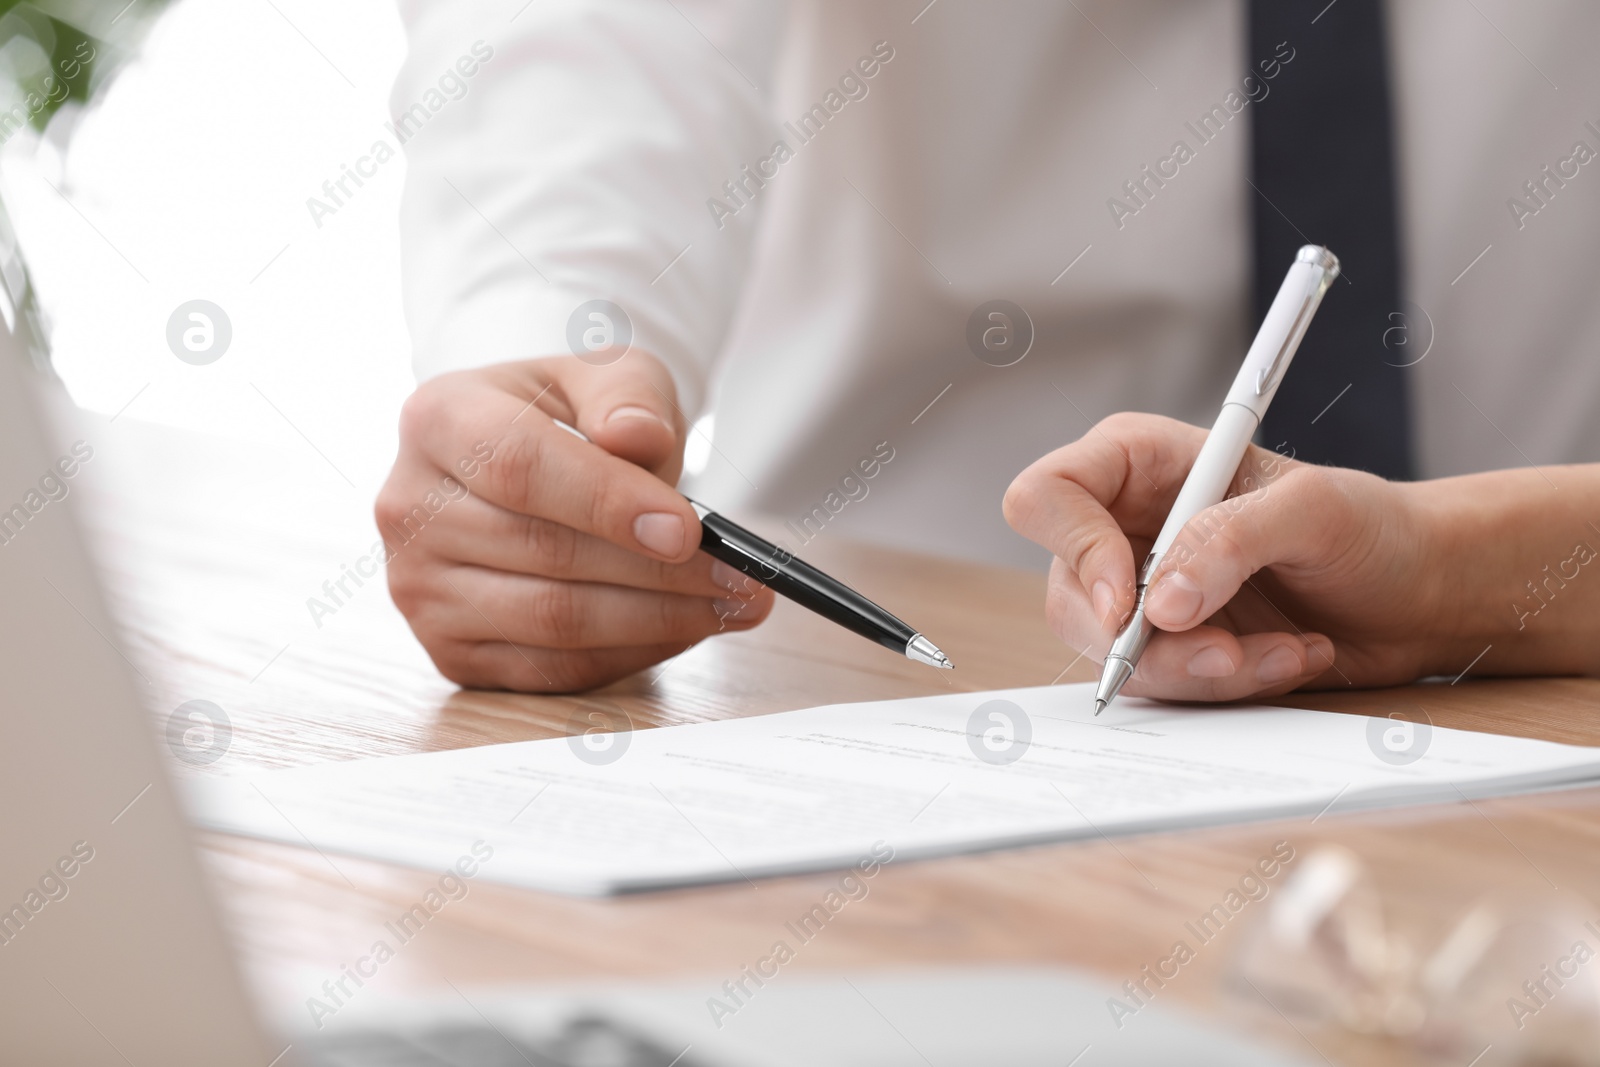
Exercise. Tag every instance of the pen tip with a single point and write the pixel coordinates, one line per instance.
(1099, 706)
(922, 650)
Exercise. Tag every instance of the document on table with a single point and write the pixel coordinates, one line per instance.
(836, 786)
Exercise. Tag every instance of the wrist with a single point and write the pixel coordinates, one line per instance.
(1514, 571)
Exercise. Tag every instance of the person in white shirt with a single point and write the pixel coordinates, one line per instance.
(788, 312)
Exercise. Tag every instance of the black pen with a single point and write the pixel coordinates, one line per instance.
(802, 583)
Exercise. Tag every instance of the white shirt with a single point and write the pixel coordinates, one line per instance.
(818, 315)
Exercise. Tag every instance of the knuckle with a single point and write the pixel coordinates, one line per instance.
(401, 518)
(683, 578)
(533, 670)
(567, 672)
(555, 613)
(696, 618)
(673, 615)
(388, 507)
(1079, 547)
(1217, 535)
(1309, 480)
(1122, 424)
(456, 662)
(406, 590)
(603, 500)
(424, 411)
(1149, 460)
(1261, 470)
(1184, 549)
(500, 665)
(551, 546)
(1316, 490)
(558, 675)
(1226, 548)
(514, 476)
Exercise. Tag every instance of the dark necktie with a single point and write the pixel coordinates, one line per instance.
(1322, 163)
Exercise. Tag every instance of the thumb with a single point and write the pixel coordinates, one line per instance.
(1296, 521)
(629, 408)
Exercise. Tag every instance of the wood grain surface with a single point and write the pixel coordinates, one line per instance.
(212, 552)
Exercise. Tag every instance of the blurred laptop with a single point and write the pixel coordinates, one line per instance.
(111, 950)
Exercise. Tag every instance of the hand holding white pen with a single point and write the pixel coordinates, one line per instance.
(1313, 270)
(1269, 574)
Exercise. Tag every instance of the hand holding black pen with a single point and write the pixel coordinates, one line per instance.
(802, 583)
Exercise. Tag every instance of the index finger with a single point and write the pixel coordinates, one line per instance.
(1085, 500)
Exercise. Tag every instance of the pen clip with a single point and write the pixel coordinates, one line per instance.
(1268, 376)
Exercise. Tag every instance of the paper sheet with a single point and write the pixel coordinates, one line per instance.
(833, 786)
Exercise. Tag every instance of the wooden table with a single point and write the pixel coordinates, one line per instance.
(212, 551)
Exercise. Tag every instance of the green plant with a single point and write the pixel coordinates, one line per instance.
(52, 53)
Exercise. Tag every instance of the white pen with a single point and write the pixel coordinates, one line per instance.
(1313, 270)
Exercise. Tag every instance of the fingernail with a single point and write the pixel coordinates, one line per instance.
(728, 577)
(1104, 599)
(633, 411)
(1278, 665)
(1210, 663)
(1175, 598)
(660, 531)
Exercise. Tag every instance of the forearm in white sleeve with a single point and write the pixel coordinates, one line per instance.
(576, 163)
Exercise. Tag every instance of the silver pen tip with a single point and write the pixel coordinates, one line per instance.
(1116, 674)
(922, 650)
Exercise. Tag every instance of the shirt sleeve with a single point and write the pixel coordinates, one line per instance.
(577, 161)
